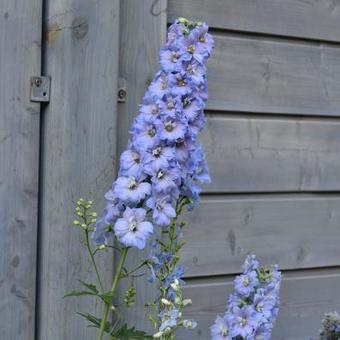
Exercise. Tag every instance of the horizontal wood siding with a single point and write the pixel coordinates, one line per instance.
(265, 75)
(297, 231)
(259, 154)
(316, 19)
(272, 144)
(304, 298)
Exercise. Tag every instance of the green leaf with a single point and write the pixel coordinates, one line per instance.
(90, 286)
(79, 293)
(106, 297)
(95, 322)
(125, 333)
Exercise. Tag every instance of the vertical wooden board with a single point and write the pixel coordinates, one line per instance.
(143, 30)
(79, 144)
(298, 18)
(20, 46)
(305, 297)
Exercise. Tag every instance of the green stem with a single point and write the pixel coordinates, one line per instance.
(112, 291)
(93, 260)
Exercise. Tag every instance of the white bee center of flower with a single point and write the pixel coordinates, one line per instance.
(181, 82)
(160, 174)
(201, 39)
(136, 158)
(243, 322)
(246, 282)
(224, 331)
(191, 49)
(157, 152)
(152, 132)
(169, 126)
(133, 184)
(164, 84)
(174, 58)
(170, 105)
(259, 308)
(133, 226)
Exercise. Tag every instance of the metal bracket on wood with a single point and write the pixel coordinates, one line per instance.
(122, 92)
(40, 89)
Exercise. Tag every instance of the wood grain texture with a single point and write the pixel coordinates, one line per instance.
(256, 74)
(259, 154)
(20, 46)
(296, 231)
(79, 145)
(143, 30)
(315, 19)
(305, 297)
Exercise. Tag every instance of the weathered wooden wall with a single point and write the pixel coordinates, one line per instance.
(20, 46)
(272, 142)
(78, 152)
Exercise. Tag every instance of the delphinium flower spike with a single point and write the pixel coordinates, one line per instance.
(163, 166)
(253, 308)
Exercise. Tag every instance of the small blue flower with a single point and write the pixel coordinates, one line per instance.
(168, 318)
(220, 330)
(163, 211)
(131, 189)
(245, 284)
(132, 230)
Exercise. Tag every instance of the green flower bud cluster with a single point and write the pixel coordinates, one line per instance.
(130, 296)
(86, 217)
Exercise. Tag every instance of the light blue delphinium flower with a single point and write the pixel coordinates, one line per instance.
(221, 329)
(168, 318)
(132, 230)
(253, 307)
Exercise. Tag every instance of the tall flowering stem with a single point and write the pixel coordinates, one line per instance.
(162, 167)
(253, 307)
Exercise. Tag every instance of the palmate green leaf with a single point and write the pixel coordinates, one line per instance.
(125, 333)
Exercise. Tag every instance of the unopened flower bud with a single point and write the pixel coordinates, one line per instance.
(187, 302)
(158, 335)
(166, 302)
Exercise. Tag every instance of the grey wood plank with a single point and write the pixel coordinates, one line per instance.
(297, 231)
(305, 297)
(143, 30)
(259, 154)
(298, 18)
(79, 147)
(255, 74)
(20, 46)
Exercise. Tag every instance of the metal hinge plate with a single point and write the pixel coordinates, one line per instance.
(40, 89)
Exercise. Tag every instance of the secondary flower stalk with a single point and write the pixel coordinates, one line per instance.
(253, 307)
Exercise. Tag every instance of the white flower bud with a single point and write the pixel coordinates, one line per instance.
(187, 302)
(158, 334)
(166, 302)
